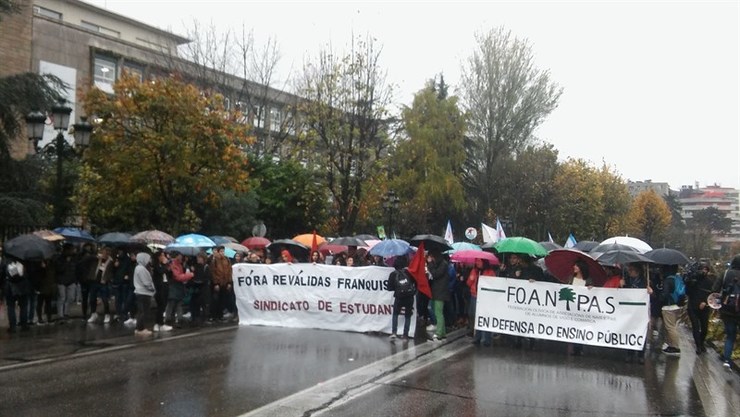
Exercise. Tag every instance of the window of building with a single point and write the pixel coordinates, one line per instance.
(105, 72)
(276, 119)
(258, 116)
(43, 11)
(100, 29)
(134, 70)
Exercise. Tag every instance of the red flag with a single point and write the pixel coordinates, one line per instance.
(314, 245)
(417, 268)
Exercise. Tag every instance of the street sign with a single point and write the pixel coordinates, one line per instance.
(471, 233)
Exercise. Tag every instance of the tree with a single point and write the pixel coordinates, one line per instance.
(579, 202)
(649, 217)
(345, 112)
(702, 226)
(161, 149)
(427, 167)
(615, 202)
(506, 98)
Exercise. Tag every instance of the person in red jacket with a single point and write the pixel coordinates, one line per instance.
(482, 267)
(177, 290)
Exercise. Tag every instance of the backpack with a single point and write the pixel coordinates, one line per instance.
(679, 290)
(405, 286)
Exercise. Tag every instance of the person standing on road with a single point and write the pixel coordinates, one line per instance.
(66, 279)
(402, 285)
(670, 310)
(727, 286)
(482, 267)
(161, 275)
(222, 289)
(636, 279)
(144, 291)
(177, 290)
(698, 288)
(438, 269)
(102, 275)
(200, 300)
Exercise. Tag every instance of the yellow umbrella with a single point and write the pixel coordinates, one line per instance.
(49, 236)
(307, 239)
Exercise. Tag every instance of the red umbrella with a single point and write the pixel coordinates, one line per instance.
(470, 255)
(560, 262)
(326, 248)
(256, 242)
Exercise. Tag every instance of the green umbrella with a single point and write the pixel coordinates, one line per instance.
(520, 245)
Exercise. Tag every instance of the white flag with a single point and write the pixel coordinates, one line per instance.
(500, 234)
(448, 234)
(549, 238)
(489, 233)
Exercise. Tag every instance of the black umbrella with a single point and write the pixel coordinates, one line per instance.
(621, 256)
(75, 234)
(598, 250)
(348, 241)
(431, 242)
(586, 245)
(666, 256)
(115, 239)
(296, 249)
(550, 246)
(366, 237)
(29, 248)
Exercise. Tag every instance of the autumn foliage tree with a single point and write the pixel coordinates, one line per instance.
(649, 217)
(161, 151)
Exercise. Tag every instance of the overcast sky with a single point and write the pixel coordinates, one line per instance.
(649, 88)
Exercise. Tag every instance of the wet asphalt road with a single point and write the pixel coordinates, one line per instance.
(228, 370)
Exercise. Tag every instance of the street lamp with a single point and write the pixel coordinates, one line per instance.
(60, 114)
(390, 203)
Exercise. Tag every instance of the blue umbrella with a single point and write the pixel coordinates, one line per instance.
(228, 252)
(222, 240)
(462, 246)
(391, 247)
(74, 234)
(190, 244)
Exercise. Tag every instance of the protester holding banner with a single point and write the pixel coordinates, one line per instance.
(581, 278)
(482, 267)
(636, 279)
(404, 289)
(698, 288)
(438, 269)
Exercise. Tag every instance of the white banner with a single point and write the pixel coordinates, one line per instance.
(317, 296)
(606, 317)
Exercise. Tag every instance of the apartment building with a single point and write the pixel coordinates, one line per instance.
(726, 200)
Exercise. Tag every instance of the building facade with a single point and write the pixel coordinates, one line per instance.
(637, 187)
(726, 200)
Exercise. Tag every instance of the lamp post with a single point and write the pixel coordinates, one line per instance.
(390, 203)
(60, 114)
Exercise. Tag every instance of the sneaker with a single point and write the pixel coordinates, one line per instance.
(186, 315)
(156, 328)
(392, 337)
(664, 346)
(165, 328)
(145, 332)
(671, 351)
(655, 334)
(106, 319)
(431, 328)
(93, 318)
(726, 364)
(436, 338)
(130, 322)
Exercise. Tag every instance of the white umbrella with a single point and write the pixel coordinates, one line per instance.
(633, 242)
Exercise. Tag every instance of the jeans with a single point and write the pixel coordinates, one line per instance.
(144, 311)
(699, 322)
(407, 304)
(98, 290)
(10, 300)
(731, 324)
(483, 335)
(65, 298)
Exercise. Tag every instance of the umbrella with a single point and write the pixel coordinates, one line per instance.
(431, 242)
(348, 241)
(666, 256)
(327, 248)
(519, 245)
(550, 246)
(74, 234)
(586, 245)
(468, 256)
(152, 236)
(296, 249)
(115, 239)
(638, 244)
(228, 252)
(223, 240)
(457, 246)
(560, 264)
(391, 247)
(366, 237)
(48, 235)
(190, 244)
(306, 239)
(598, 250)
(236, 247)
(621, 256)
(29, 247)
(256, 242)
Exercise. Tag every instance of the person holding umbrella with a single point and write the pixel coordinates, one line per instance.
(404, 289)
(438, 268)
(636, 279)
(698, 287)
(482, 267)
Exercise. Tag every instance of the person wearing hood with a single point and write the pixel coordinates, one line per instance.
(144, 291)
(729, 287)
